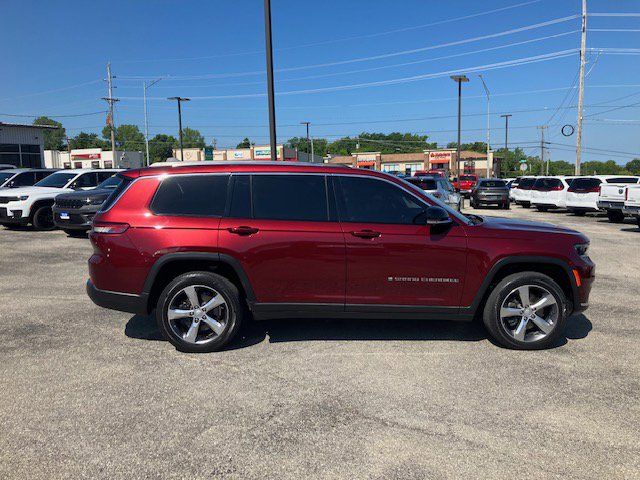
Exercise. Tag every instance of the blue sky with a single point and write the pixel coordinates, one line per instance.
(55, 53)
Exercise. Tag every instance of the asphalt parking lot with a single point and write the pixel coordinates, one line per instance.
(92, 393)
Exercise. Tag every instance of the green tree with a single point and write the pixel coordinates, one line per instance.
(561, 167)
(480, 147)
(394, 142)
(161, 147)
(633, 166)
(246, 143)
(128, 137)
(609, 167)
(191, 138)
(88, 140)
(319, 145)
(53, 139)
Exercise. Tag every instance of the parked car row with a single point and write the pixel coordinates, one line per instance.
(615, 195)
(46, 198)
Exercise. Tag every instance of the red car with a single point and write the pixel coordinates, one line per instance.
(204, 246)
(466, 183)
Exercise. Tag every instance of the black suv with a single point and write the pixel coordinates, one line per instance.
(74, 212)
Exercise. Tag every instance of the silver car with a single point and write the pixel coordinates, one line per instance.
(440, 188)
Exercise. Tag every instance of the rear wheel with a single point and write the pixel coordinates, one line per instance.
(638, 221)
(199, 312)
(525, 204)
(506, 205)
(526, 311)
(542, 208)
(43, 218)
(615, 216)
(579, 213)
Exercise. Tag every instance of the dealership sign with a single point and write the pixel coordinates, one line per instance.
(262, 153)
(86, 156)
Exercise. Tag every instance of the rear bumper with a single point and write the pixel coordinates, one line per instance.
(123, 302)
(631, 210)
(491, 201)
(607, 205)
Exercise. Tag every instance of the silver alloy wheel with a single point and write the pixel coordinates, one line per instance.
(529, 313)
(198, 314)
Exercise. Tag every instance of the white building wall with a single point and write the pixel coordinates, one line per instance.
(93, 158)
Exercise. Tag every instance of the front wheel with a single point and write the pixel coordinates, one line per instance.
(43, 218)
(526, 311)
(542, 208)
(199, 312)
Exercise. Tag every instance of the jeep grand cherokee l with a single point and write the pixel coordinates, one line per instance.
(205, 245)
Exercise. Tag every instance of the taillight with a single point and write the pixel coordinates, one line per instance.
(593, 190)
(557, 187)
(626, 194)
(109, 228)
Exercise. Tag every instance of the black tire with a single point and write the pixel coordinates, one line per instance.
(472, 204)
(223, 287)
(43, 218)
(506, 205)
(579, 213)
(75, 233)
(615, 216)
(10, 226)
(542, 208)
(638, 221)
(525, 204)
(497, 329)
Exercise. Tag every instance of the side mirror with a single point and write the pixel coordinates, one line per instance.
(437, 216)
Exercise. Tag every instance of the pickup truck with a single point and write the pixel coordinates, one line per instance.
(632, 202)
(466, 183)
(611, 199)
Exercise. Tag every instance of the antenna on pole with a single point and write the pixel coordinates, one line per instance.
(110, 120)
(583, 48)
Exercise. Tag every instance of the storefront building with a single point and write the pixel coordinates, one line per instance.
(408, 163)
(22, 145)
(93, 158)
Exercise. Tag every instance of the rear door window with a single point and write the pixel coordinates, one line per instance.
(424, 183)
(581, 184)
(24, 179)
(493, 183)
(290, 197)
(191, 195)
(526, 183)
(623, 180)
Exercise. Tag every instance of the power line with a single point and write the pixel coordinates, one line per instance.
(55, 90)
(337, 40)
(54, 116)
(374, 57)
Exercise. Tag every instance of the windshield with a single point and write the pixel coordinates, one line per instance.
(467, 220)
(4, 176)
(467, 178)
(526, 183)
(110, 183)
(56, 180)
(493, 184)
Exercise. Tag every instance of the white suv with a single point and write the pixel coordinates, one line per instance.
(440, 188)
(21, 206)
(522, 193)
(582, 196)
(550, 192)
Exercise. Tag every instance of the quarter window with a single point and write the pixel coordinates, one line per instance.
(193, 195)
(368, 200)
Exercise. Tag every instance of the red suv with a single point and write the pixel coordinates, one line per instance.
(206, 245)
(466, 183)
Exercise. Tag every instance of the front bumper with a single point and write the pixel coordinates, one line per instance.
(607, 205)
(123, 302)
(77, 219)
(14, 217)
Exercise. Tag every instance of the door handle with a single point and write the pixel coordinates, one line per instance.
(243, 230)
(366, 234)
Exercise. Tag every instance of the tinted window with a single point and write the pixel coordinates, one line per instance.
(4, 176)
(493, 183)
(467, 178)
(368, 200)
(424, 183)
(198, 195)
(623, 180)
(102, 176)
(546, 184)
(24, 179)
(86, 180)
(585, 183)
(57, 180)
(289, 197)
(111, 182)
(241, 197)
(41, 175)
(526, 183)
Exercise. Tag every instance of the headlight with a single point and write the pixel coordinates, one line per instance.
(582, 249)
(23, 198)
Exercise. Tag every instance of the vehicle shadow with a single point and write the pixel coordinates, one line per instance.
(300, 330)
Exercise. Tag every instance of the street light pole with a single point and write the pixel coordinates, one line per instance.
(145, 86)
(459, 79)
(486, 90)
(270, 89)
(180, 100)
(506, 134)
(308, 144)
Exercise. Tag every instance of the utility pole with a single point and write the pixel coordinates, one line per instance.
(145, 86)
(459, 79)
(180, 100)
(486, 90)
(583, 50)
(506, 136)
(270, 89)
(308, 144)
(542, 128)
(110, 100)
